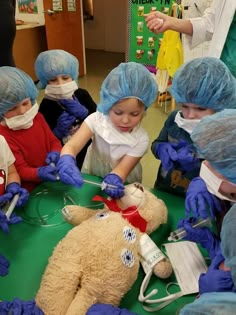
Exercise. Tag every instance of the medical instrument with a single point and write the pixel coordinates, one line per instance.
(102, 185)
(181, 232)
(52, 164)
(91, 182)
(12, 206)
(45, 217)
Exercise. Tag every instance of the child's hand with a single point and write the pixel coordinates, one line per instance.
(53, 157)
(5, 222)
(73, 107)
(68, 171)
(13, 189)
(64, 123)
(113, 186)
(186, 158)
(20, 307)
(4, 265)
(200, 201)
(216, 280)
(166, 152)
(48, 173)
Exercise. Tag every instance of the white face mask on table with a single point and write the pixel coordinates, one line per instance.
(62, 91)
(186, 124)
(188, 263)
(24, 121)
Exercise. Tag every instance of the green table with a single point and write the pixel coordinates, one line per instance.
(29, 244)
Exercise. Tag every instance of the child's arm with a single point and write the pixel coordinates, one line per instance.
(125, 166)
(118, 176)
(163, 135)
(13, 176)
(13, 188)
(68, 171)
(77, 141)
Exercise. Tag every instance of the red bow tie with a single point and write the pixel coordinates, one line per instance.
(131, 214)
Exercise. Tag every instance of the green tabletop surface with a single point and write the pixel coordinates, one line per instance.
(30, 243)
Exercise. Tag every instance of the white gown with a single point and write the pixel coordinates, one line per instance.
(109, 145)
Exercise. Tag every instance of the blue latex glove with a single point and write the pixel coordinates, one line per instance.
(114, 180)
(202, 235)
(166, 152)
(186, 158)
(73, 107)
(64, 124)
(18, 307)
(200, 201)
(53, 157)
(108, 309)
(5, 222)
(68, 171)
(48, 173)
(13, 189)
(216, 280)
(4, 266)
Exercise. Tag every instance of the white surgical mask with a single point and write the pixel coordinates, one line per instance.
(212, 182)
(62, 91)
(188, 263)
(186, 124)
(24, 121)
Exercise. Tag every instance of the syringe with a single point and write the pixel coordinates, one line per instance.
(102, 185)
(181, 232)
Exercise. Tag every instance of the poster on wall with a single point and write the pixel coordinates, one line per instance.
(27, 6)
(143, 45)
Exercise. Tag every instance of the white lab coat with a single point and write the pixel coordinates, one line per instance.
(213, 25)
(109, 145)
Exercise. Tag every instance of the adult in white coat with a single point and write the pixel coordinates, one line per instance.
(217, 24)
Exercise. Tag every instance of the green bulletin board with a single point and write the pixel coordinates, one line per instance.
(143, 45)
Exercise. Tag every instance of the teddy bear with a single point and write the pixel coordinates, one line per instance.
(98, 260)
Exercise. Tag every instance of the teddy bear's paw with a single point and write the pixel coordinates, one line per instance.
(74, 214)
(163, 269)
(67, 216)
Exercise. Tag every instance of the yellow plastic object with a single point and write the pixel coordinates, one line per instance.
(170, 56)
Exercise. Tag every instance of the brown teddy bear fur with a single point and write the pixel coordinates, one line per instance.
(97, 261)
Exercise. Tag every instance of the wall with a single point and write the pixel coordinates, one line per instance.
(106, 32)
(108, 29)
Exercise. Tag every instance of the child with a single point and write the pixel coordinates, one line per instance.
(119, 142)
(214, 140)
(9, 187)
(33, 144)
(202, 87)
(65, 106)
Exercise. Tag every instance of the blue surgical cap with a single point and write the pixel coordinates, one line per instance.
(228, 241)
(214, 303)
(15, 86)
(52, 63)
(215, 140)
(128, 80)
(206, 82)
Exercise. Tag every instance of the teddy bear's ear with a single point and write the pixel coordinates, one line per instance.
(134, 196)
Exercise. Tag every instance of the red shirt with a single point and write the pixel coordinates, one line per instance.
(30, 148)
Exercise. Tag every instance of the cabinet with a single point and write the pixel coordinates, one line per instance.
(30, 40)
